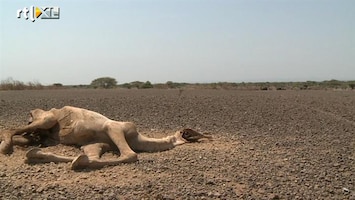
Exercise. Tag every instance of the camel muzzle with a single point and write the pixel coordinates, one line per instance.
(193, 136)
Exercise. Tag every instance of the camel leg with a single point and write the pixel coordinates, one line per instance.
(35, 155)
(91, 158)
(7, 141)
(37, 124)
(92, 151)
(20, 140)
(8, 138)
(116, 132)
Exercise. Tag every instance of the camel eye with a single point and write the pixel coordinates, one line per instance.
(187, 134)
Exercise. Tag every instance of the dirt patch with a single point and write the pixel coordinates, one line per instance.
(268, 145)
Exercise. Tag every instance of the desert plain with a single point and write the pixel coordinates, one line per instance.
(267, 145)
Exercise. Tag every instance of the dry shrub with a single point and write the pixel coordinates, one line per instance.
(11, 84)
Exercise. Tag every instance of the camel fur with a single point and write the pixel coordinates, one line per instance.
(95, 133)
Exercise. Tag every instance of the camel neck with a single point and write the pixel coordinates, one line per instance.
(146, 144)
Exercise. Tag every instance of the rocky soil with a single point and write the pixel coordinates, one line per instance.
(267, 145)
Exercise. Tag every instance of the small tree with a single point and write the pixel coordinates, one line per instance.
(57, 85)
(136, 84)
(170, 84)
(146, 85)
(126, 85)
(104, 82)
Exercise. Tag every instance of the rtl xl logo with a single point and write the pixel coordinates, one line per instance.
(34, 12)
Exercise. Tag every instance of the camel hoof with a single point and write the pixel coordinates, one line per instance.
(81, 162)
(5, 148)
(34, 156)
(33, 153)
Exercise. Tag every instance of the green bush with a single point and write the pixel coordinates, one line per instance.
(147, 85)
(104, 82)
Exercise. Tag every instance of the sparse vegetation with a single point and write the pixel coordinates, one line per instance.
(108, 82)
(11, 84)
(171, 84)
(147, 85)
(104, 82)
(57, 85)
(126, 85)
(134, 84)
(138, 85)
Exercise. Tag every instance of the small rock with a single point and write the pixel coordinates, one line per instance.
(336, 165)
(345, 190)
(214, 194)
(210, 182)
(274, 197)
(40, 189)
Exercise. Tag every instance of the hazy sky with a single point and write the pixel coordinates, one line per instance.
(180, 41)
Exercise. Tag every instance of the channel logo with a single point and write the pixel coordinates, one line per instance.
(35, 12)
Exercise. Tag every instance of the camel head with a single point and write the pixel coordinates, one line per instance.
(193, 136)
(39, 137)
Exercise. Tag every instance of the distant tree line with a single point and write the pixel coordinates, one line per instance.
(109, 83)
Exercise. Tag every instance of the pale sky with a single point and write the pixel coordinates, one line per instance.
(179, 40)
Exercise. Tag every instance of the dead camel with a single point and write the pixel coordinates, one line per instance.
(94, 132)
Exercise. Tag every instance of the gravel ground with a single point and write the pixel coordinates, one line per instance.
(267, 145)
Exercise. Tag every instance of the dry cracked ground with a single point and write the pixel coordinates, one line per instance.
(267, 145)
